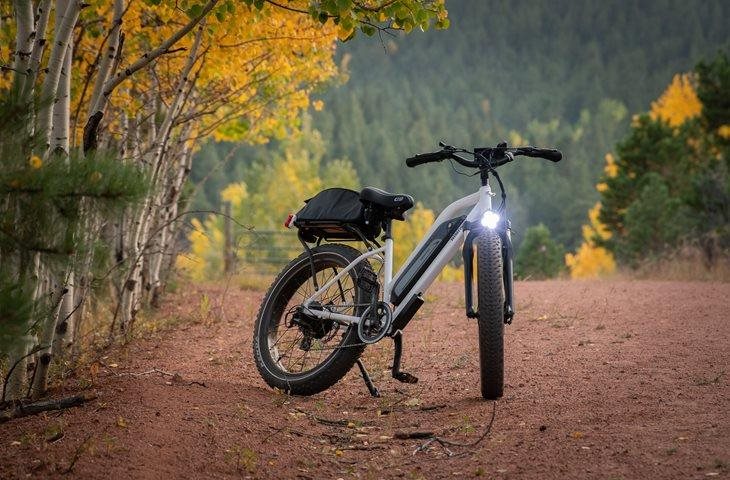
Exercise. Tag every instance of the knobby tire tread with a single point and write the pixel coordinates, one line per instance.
(326, 375)
(491, 314)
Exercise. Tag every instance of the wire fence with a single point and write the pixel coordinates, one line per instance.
(266, 252)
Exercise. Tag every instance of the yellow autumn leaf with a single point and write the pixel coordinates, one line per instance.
(121, 422)
(35, 162)
(678, 103)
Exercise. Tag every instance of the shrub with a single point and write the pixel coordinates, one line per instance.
(539, 256)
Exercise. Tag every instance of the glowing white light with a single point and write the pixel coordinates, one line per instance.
(490, 219)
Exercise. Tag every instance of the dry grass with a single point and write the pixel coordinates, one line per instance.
(687, 264)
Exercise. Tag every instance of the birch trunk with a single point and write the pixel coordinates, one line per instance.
(159, 240)
(65, 21)
(23, 42)
(96, 102)
(56, 294)
(43, 13)
(62, 106)
(57, 85)
(15, 388)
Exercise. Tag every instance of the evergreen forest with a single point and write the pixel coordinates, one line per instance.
(562, 74)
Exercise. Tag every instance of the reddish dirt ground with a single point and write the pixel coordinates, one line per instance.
(610, 380)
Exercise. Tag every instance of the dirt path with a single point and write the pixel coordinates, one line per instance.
(604, 380)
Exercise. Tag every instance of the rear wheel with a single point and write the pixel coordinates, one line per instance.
(490, 291)
(302, 354)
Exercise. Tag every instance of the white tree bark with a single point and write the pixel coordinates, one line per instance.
(159, 241)
(96, 103)
(62, 106)
(43, 13)
(24, 34)
(65, 21)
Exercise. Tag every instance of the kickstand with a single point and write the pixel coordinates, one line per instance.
(368, 381)
(398, 347)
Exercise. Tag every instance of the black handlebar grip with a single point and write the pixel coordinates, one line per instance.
(551, 154)
(426, 158)
(546, 153)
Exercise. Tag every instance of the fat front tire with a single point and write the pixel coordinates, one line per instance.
(490, 291)
(289, 356)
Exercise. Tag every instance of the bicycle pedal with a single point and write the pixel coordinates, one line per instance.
(405, 377)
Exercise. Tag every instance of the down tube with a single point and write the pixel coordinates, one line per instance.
(428, 277)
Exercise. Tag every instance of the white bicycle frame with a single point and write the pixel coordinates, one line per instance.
(479, 202)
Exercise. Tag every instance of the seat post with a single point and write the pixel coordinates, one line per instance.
(388, 275)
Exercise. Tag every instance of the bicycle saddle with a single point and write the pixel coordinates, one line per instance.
(398, 203)
(380, 197)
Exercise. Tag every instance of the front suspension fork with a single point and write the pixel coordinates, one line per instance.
(507, 271)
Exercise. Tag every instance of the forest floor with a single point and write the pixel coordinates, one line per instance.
(610, 380)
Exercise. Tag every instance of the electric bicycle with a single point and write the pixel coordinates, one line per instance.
(332, 301)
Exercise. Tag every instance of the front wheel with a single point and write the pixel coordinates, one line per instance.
(490, 291)
(302, 354)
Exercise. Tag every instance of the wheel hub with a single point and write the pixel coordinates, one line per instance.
(311, 326)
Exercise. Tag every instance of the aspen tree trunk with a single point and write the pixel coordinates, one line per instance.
(97, 102)
(65, 21)
(23, 42)
(55, 295)
(17, 358)
(227, 239)
(43, 13)
(57, 86)
(64, 324)
(168, 262)
(160, 163)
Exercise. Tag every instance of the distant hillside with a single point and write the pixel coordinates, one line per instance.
(560, 73)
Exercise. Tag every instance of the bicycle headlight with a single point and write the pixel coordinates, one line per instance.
(490, 219)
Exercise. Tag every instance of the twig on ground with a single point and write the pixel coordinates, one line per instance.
(325, 421)
(176, 377)
(411, 435)
(363, 447)
(427, 408)
(278, 430)
(77, 455)
(25, 409)
(445, 443)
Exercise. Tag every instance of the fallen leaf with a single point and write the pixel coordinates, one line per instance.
(121, 422)
(14, 443)
(412, 402)
(577, 434)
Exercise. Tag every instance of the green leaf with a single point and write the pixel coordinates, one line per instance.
(259, 4)
(195, 11)
(367, 30)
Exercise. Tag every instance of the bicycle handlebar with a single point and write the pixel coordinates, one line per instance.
(422, 158)
(547, 153)
(491, 157)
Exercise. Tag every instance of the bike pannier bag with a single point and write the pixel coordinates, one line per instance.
(332, 213)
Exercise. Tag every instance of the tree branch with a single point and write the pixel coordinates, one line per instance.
(143, 61)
